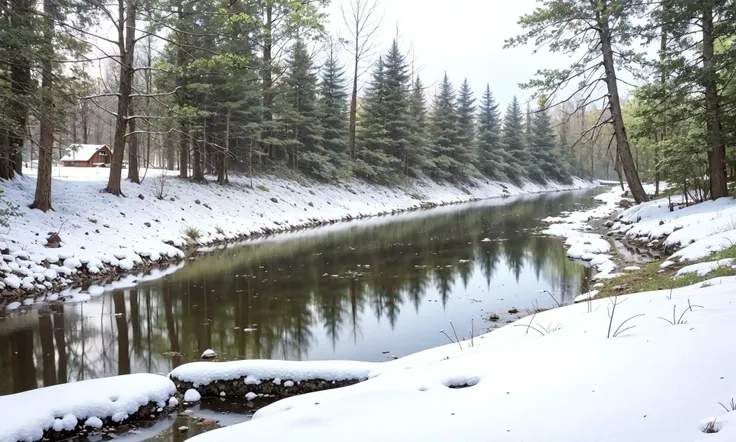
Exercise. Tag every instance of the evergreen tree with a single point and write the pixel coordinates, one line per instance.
(512, 137)
(444, 132)
(334, 102)
(465, 150)
(420, 153)
(396, 106)
(300, 114)
(491, 159)
(371, 161)
(545, 149)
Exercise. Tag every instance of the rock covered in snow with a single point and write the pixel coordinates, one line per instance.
(192, 395)
(209, 354)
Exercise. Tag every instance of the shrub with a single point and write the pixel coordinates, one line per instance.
(262, 187)
(192, 232)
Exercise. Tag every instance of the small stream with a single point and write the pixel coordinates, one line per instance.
(369, 290)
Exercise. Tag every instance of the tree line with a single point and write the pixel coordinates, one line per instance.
(208, 87)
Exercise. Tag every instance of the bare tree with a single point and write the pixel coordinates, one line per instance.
(362, 20)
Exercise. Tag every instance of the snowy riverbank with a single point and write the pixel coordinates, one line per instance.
(102, 235)
(655, 380)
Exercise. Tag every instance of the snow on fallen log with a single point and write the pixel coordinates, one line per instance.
(269, 377)
(61, 411)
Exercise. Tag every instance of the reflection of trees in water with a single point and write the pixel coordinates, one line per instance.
(266, 300)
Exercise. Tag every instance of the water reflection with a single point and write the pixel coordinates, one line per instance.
(360, 291)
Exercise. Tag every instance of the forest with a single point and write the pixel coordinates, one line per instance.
(211, 88)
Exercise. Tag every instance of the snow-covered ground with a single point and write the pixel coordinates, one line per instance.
(587, 246)
(694, 232)
(85, 404)
(100, 232)
(573, 374)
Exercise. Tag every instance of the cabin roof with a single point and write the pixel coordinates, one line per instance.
(81, 152)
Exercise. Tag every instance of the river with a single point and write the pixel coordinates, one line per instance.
(366, 290)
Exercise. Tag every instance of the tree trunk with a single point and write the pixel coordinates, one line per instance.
(197, 173)
(354, 105)
(717, 146)
(181, 96)
(126, 45)
(20, 87)
(267, 77)
(132, 139)
(169, 148)
(42, 199)
(619, 172)
(183, 148)
(222, 156)
(622, 142)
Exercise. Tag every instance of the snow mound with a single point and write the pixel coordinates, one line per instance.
(483, 393)
(256, 370)
(26, 415)
(703, 268)
(192, 395)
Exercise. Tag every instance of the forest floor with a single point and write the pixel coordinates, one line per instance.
(93, 238)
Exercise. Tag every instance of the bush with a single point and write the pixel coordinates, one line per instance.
(192, 232)
(161, 183)
(7, 211)
(262, 187)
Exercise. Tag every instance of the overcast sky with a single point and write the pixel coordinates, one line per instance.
(464, 38)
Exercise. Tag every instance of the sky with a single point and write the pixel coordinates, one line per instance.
(464, 38)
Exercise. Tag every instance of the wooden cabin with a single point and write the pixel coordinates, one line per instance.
(87, 155)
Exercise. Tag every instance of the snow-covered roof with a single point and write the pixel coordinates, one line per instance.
(81, 152)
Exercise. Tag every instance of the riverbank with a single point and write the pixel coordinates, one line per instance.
(161, 221)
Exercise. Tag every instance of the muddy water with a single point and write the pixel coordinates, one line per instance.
(369, 290)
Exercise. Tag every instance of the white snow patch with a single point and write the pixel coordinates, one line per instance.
(703, 268)
(250, 396)
(93, 422)
(587, 296)
(255, 370)
(26, 415)
(631, 268)
(192, 395)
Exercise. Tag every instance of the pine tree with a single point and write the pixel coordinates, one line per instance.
(371, 162)
(512, 137)
(333, 103)
(491, 160)
(299, 112)
(396, 106)
(545, 149)
(465, 150)
(419, 158)
(444, 132)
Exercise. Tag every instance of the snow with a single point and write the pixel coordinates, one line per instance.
(703, 268)
(588, 246)
(93, 422)
(631, 268)
(26, 415)
(587, 296)
(209, 353)
(656, 381)
(192, 395)
(254, 371)
(250, 396)
(99, 231)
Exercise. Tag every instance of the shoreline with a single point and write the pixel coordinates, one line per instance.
(90, 271)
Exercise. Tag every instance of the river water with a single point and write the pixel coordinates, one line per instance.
(367, 290)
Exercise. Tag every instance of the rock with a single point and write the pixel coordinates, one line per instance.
(625, 204)
(618, 288)
(183, 428)
(141, 196)
(494, 317)
(209, 354)
(147, 224)
(207, 422)
(513, 311)
(53, 241)
(310, 204)
(274, 200)
(608, 223)
(192, 395)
